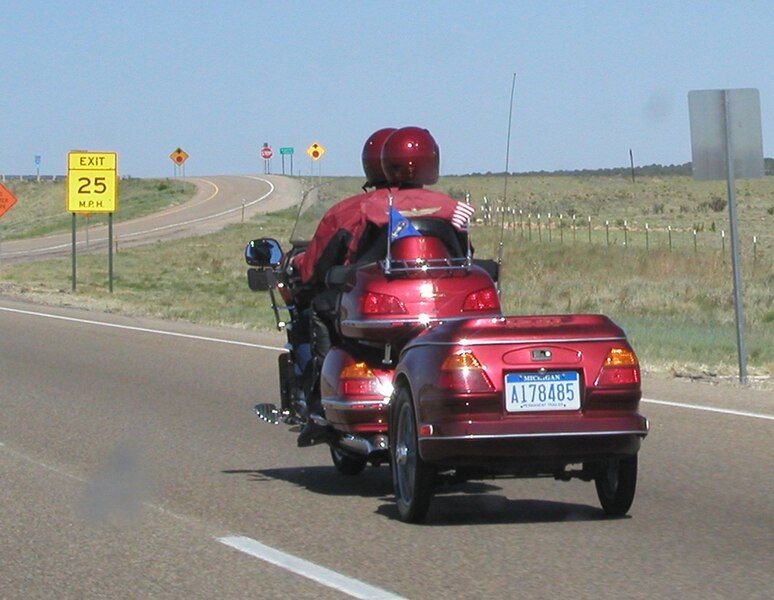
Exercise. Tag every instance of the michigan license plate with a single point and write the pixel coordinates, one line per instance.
(525, 392)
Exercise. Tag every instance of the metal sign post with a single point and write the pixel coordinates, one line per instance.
(92, 186)
(726, 143)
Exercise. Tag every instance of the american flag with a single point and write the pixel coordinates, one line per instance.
(461, 215)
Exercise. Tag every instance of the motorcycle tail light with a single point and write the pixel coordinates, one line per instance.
(358, 379)
(485, 299)
(462, 372)
(382, 304)
(621, 367)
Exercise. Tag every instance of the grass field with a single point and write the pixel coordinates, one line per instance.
(40, 206)
(675, 305)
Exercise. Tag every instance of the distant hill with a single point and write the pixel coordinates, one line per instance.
(646, 170)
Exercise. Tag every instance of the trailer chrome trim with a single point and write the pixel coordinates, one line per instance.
(442, 438)
(541, 341)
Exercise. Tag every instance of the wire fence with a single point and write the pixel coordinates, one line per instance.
(562, 228)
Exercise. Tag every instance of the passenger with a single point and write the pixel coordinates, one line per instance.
(397, 164)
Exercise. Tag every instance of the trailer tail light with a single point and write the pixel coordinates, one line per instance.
(382, 304)
(358, 379)
(621, 367)
(479, 300)
(463, 373)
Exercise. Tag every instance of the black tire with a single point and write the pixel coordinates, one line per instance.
(346, 464)
(616, 483)
(412, 478)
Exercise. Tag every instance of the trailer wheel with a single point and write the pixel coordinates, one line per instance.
(412, 478)
(616, 483)
(345, 464)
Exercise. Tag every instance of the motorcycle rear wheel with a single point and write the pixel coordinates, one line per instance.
(345, 464)
(413, 478)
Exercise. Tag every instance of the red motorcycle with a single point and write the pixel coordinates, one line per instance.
(426, 374)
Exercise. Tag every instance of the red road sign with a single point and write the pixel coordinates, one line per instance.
(266, 152)
(7, 200)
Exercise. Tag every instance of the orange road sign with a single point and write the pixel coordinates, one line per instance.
(315, 151)
(179, 156)
(7, 200)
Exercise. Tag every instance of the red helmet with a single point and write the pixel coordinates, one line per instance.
(372, 157)
(410, 157)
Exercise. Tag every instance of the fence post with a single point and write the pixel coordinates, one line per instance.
(573, 228)
(723, 243)
(589, 229)
(695, 243)
(540, 233)
(626, 233)
(669, 230)
(607, 232)
(561, 229)
(647, 240)
(755, 248)
(521, 223)
(529, 226)
(548, 226)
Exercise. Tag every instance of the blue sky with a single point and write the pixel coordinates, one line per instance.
(221, 78)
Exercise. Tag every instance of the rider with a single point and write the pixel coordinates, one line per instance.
(397, 163)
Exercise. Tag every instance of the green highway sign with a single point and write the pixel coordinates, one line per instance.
(286, 150)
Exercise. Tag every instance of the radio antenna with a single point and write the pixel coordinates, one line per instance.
(505, 186)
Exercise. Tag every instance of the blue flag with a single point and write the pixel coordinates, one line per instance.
(400, 226)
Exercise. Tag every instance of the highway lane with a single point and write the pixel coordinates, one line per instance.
(216, 203)
(151, 455)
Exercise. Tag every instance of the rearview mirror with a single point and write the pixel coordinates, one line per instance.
(263, 252)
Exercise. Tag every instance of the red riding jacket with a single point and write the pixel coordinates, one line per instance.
(352, 215)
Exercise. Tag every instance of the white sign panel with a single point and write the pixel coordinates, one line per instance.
(707, 111)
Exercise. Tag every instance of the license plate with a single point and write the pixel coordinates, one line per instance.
(525, 392)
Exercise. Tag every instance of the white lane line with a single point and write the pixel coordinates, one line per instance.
(726, 411)
(142, 329)
(160, 228)
(305, 568)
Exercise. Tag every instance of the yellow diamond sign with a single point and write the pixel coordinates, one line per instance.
(92, 182)
(315, 151)
(179, 156)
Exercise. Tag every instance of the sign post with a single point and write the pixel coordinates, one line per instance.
(726, 143)
(315, 152)
(266, 154)
(179, 156)
(283, 151)
(37, 166)
(92, 186)
(7, 200)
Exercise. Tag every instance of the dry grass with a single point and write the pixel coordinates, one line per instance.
(40, 209)
(676, 306)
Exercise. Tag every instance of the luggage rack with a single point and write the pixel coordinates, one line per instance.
(422, 265)
(391, 265)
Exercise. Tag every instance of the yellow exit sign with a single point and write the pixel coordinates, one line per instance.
(92, 182)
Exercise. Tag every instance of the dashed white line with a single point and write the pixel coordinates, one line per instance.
(305, 568)
(726, 411)
(289, 562)
(142, 329)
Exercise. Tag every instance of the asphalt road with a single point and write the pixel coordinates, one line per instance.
(127, 455)
(216, 203)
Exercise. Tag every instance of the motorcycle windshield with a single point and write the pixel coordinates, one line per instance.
(313, 206)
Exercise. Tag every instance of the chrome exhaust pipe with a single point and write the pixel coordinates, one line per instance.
(363, 446)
